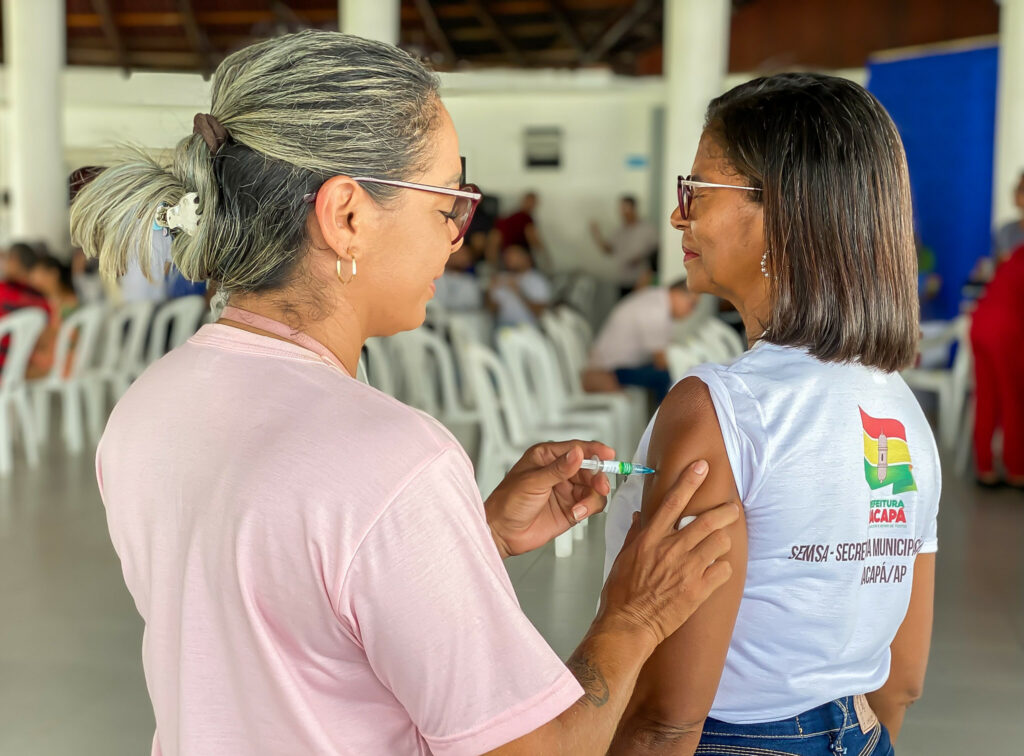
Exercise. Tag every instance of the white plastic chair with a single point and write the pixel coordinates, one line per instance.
(567, 337)
(77, 343)
(579, 325)
(380, 372)
(580, 294)
(950, 384)
(123, 357)
(682, 358)
(22, 328)
(179, 316)
(427, 365)
(503, 435)
(541, 391)
(465, 328)
(721, 338)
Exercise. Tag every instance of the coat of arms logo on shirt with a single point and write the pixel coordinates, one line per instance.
(886, 455)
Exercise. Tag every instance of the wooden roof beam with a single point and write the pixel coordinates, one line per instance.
(622, 26)
(196, 36)
(565, 26)
(488, 21)
(435, 31)
(111, 32)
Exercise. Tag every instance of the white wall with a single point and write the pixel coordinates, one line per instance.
(605, 121)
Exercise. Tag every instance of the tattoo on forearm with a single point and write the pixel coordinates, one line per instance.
(590, 678)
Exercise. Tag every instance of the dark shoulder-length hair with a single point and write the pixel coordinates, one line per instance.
(841, 258)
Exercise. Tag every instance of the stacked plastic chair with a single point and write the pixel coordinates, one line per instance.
(71, 379)
(21, 329)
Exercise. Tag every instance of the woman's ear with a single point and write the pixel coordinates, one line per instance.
(340, 206)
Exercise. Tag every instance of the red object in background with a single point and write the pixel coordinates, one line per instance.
(15, 296)
(513, 229)
(997, 335)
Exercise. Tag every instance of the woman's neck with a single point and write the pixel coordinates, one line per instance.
(754, 318)
(339, 332)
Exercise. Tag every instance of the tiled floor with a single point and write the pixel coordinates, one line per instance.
(71, 679)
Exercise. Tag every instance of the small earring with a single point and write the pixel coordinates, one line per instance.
(764, 264)
(338, 268)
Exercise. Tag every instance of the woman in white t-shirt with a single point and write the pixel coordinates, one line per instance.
(798, 213)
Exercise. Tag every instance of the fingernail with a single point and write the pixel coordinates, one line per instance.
(700, 467)
(579, 512)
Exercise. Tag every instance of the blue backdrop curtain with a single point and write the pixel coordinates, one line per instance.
(944, 106)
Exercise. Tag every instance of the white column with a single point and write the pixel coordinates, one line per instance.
(38, 179)
(696, 40)
(373, 19)
(1009, 155)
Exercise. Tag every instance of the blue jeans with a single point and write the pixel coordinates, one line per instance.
(648, 377)
(829, 730)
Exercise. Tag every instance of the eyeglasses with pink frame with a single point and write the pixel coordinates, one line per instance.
(467, 197)
(685, 186)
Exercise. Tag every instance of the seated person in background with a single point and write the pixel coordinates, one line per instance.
(85, 277)
(630, 349)
(15, 290)
(138, 285)
(520, 293)
(458, 288)
(632, 246)
(520, 230)
(52, 279)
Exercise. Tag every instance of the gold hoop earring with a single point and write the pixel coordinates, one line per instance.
(349, 279)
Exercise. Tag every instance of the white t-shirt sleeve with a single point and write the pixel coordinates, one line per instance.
(440, 623)
(742, 428)
(930, 536)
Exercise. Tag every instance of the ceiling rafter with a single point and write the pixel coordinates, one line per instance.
(196, 36)
(565, 26)
(620, 34)
(112, 32)
(487, 20)
(435, 31)
(626, 22)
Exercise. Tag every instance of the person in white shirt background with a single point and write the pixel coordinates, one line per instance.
(633, 246)
(798, 212)
(520, 293)
(630, 348)
(459, 288)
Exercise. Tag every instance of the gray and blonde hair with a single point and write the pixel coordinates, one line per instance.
(298, 109)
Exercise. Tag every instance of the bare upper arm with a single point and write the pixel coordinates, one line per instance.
(911, 645)
(678, 684)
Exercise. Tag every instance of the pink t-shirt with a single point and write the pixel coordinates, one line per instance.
(312, 563)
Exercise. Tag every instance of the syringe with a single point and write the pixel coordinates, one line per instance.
(615, 467)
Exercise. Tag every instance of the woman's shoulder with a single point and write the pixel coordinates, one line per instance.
(372, 419)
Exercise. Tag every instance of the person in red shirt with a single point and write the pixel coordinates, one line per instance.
(15, 291)
(519, 230)
(997, 330)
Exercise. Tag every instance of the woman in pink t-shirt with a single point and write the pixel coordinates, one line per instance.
(316, 571)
